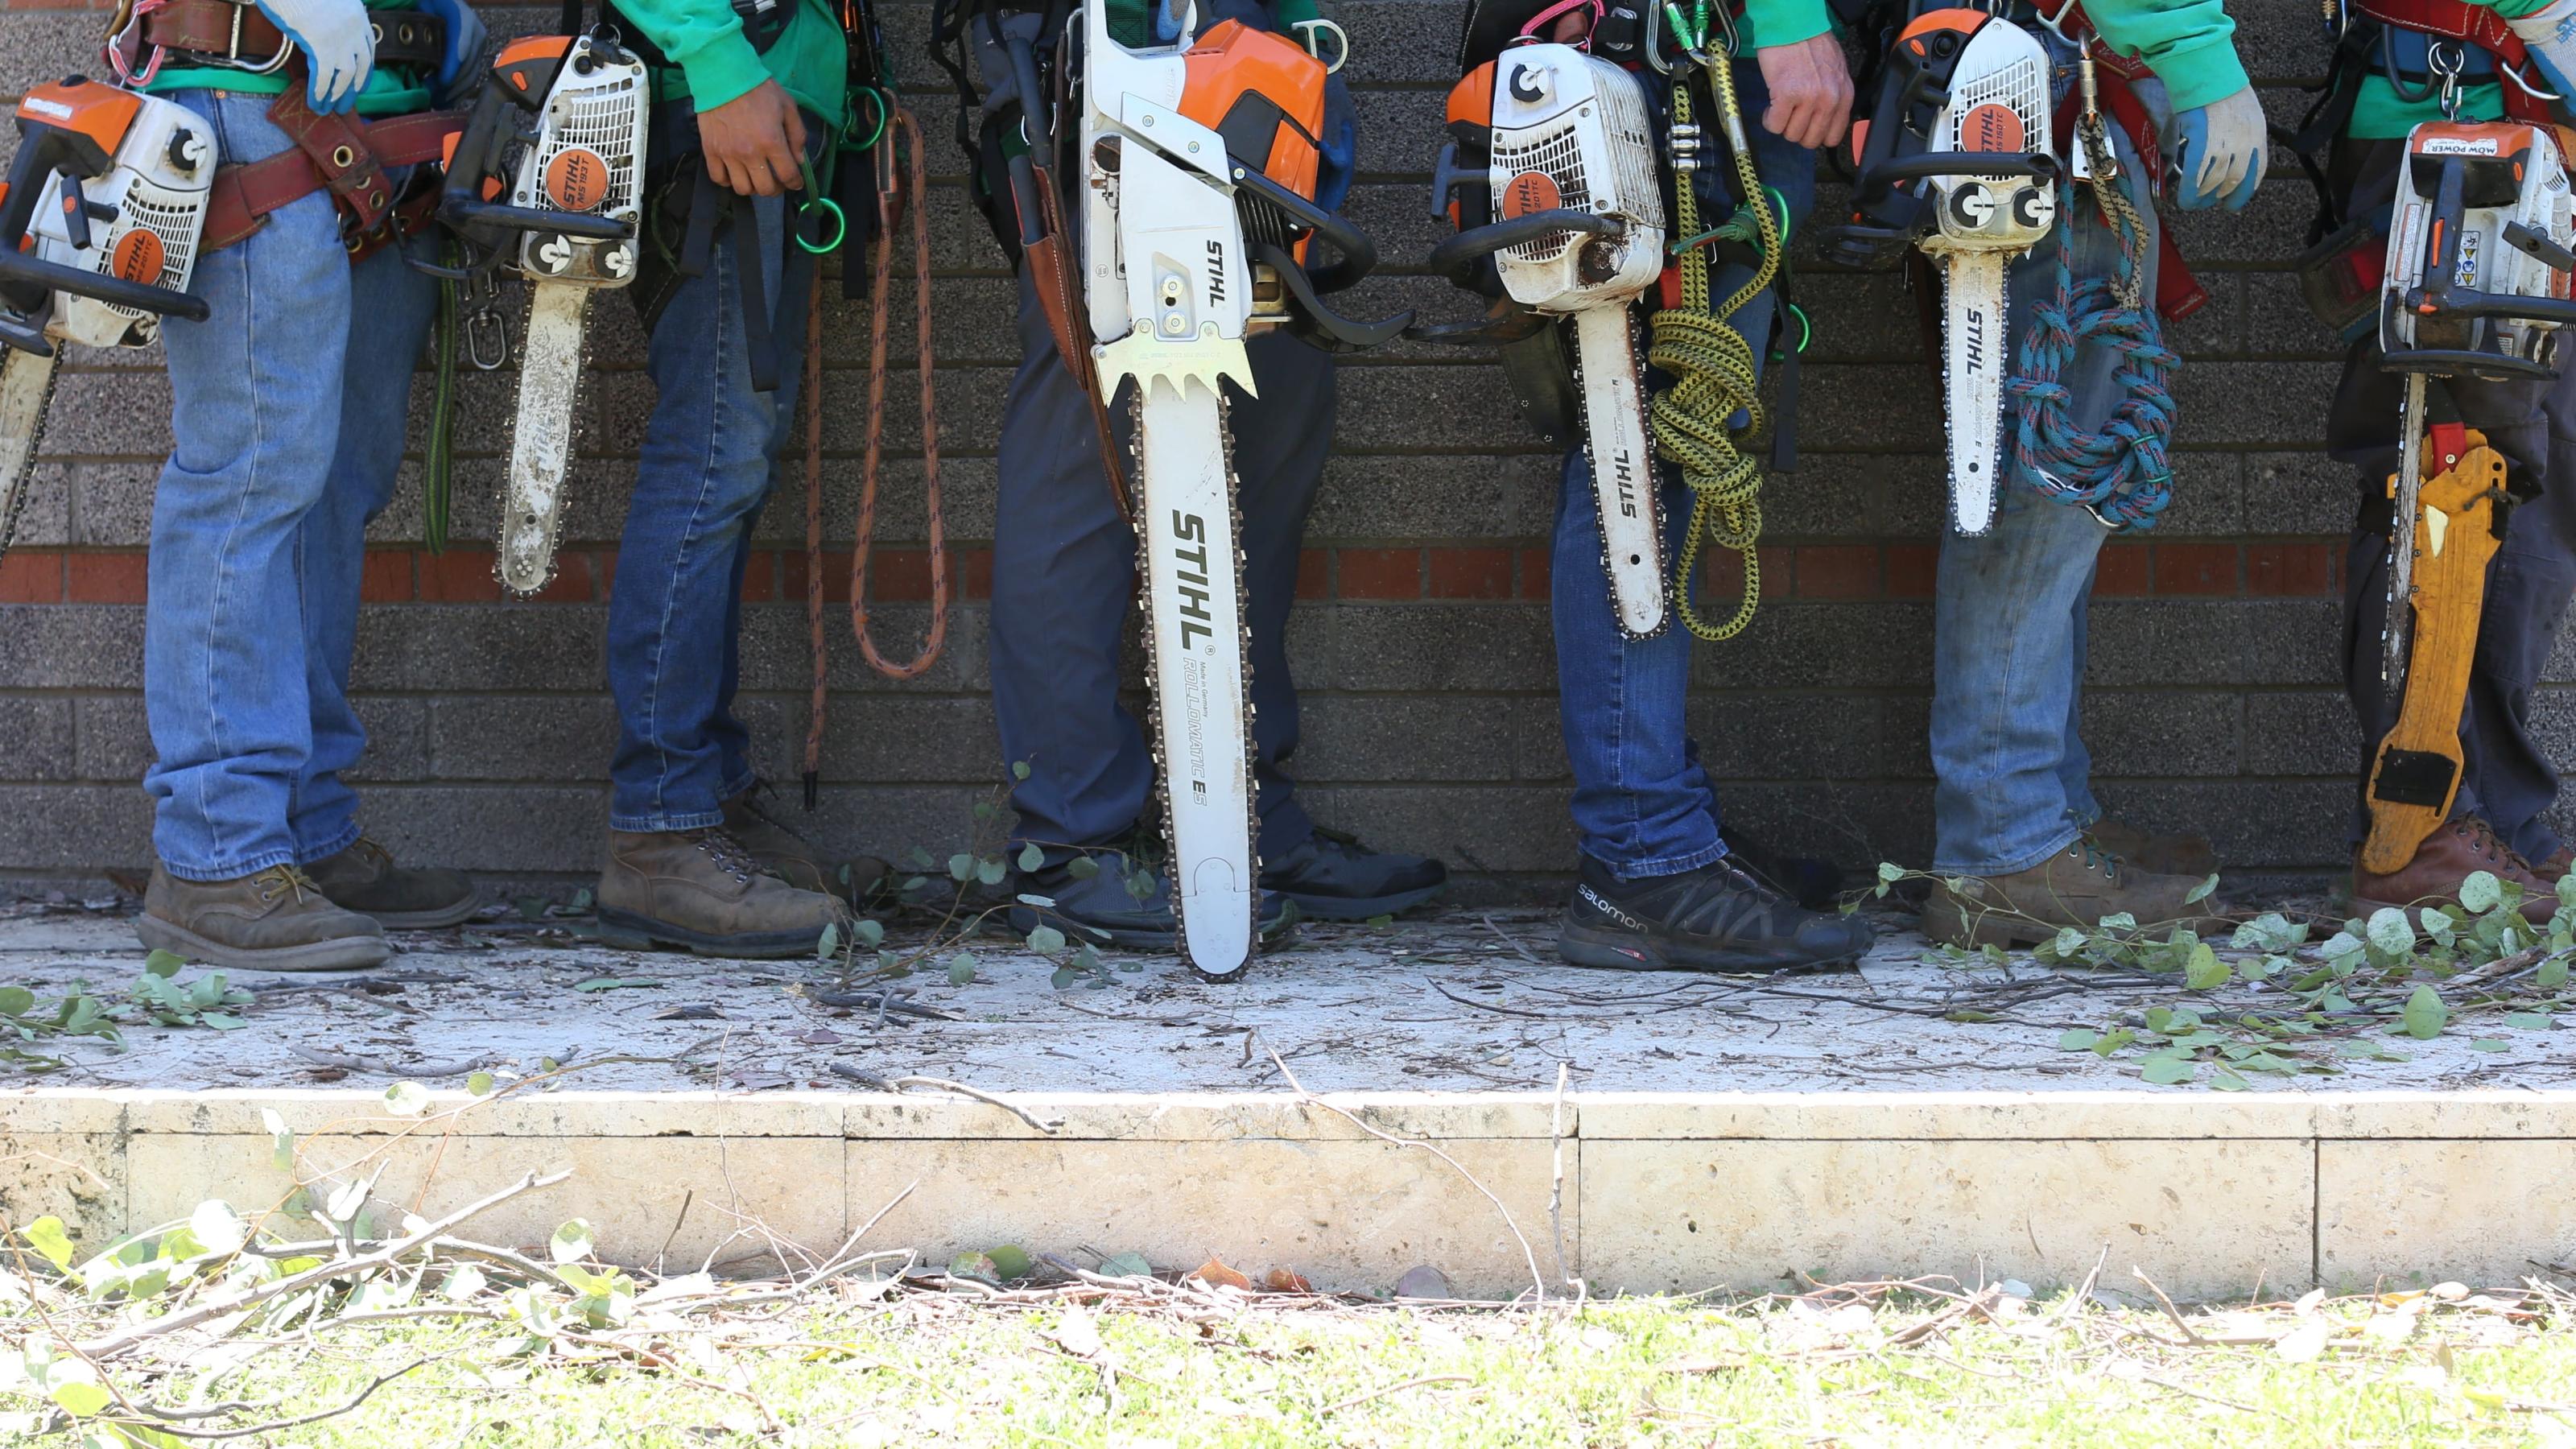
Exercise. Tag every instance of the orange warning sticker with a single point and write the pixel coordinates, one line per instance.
(1528, 192)
(140, 257)
(1991, 127)
(576, 180)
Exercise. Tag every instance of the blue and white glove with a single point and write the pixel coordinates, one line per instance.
(339, 45)
(462, 66)
(2222, 149)
(2549, 34)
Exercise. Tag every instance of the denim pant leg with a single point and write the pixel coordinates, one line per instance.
(255, 420)
(2009, 616)
(391, 307)
(710, 457)
(1642, 804)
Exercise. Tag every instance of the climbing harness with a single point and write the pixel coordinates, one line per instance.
(2120, 471)
(1716, 376)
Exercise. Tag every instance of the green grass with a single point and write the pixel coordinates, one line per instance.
(931, 1368)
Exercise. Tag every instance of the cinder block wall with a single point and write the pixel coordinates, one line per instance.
(1422, 644)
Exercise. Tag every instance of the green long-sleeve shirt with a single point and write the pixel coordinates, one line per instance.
(2189, 44)
(388, 92)
(2378, 113)
(712, 62)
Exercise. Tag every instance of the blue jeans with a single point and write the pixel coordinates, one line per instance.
(1642, 804)
(287, 408)
(710, 457)
(2008, 615)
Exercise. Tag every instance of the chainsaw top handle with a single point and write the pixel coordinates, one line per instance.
(522, 78)
(24, 280)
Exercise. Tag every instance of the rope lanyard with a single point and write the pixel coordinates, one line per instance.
(1716, 373)
(2119, 471)
(438, 463)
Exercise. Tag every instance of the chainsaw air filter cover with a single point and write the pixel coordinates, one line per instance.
(142, 218)
(2477, 278)
(588, 157)
(1998, 105)
(1571, 133)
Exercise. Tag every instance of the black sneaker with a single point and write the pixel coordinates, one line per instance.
(1715, 918)
(1123, 905)
(1333, 877)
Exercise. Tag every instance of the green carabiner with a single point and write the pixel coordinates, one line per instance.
(816, 201)
(881, 108)
(1806, 333)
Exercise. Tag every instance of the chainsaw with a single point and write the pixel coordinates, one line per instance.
(1551, 176)
(1199, 165)
(1956, 159)
(2481, 248)
(99, 224)
(558, 130)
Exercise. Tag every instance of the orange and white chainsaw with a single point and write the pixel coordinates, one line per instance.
(558, 130)
(1957, 159)
(1551, 175)
(1200, 164)
(99, 225)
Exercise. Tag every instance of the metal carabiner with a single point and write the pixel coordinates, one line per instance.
(2056, 24)
(2446, 59)
(2527, 88)
(484, 323)
(1308, 32)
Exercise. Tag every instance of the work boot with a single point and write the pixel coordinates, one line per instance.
(1332, 877)
(2076, 887)
(701, 891)
(1101, 910)
(364, 878)
(785, 853)
(1716, 918)
(2448, 856)
(2558, 864)
(275, 920)
(2189, 855)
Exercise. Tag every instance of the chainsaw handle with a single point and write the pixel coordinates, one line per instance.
(17, 266)
(465, 211)
(1358, 253)
(1946, 165)
(1456, 258)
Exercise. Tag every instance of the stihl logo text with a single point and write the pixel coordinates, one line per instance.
(1216, 271)
(1975, 345)
(1196, 623)
(1623, 472)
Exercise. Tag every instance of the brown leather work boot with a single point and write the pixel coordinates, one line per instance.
(2462, 846)
(2076, 887)
(2189, 855)
(785, 853)
(700, 890)
(364, 878)
(275, 920)
(2558, 864)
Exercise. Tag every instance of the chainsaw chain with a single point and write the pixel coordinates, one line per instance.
(1654, 483)
(18, 485)
(572, 453)
(1137, 497)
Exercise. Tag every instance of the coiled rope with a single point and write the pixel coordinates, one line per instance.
(1716, 374)
(2120, 472)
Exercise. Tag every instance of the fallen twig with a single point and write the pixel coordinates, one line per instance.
(897, 1084)
(390, 1069)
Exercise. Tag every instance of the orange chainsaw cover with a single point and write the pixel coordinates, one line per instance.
(1233, 62)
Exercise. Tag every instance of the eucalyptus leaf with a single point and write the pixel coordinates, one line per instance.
(2078, 1040)
(2204, 971)
(281, 1143)
(406, 1099)
(572, 1242)
(2481, 892)
(990, 872)
(46, 1236)
(2169, 1071)
(2202, 891)
(1046, 940)
(869, 933)
(1082, 867)
(2425, 1013)
(1031, 857)
(2530, 1020)
(961, 866)
(2553, 970)
(2490, 1044)
(961, 969)
(2389, 932)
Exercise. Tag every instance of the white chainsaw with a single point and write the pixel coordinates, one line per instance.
(1193, 241)
(1957, 157)
(99, 226)
(560, 127)
(1550, 171)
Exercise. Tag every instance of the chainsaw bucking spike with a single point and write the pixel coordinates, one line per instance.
(1196, 241)
(558, 130)
(99, 231)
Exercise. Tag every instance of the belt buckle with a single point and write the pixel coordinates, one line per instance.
(232, 45)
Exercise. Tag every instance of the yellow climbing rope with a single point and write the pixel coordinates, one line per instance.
(1716, 373)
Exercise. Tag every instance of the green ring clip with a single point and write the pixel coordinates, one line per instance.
(816, 201)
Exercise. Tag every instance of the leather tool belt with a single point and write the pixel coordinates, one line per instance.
(221, 34)
(341, 154)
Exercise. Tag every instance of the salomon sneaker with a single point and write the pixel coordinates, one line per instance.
(1333, 877)
(1121, 904)
(1715, 918)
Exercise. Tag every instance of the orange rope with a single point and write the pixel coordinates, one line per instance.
(900, 124)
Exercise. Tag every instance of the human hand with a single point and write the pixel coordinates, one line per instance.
(754, 142)
(2222, 148)
(339, 45)
(1811, 91)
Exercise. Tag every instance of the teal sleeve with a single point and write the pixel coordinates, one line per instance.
(2189, 44)
(1771, 23)
(704, 39)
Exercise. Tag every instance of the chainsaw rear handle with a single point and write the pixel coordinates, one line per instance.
(1457, 257)
(2511, 307)
(2465, 362)
(1953, 165)
(469, 210)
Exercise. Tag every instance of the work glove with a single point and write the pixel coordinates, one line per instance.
(462, 66)
(2222, 148)
(2549, 34)
(339, 45)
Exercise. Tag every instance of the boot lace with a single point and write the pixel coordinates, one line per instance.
(280, 880)
(2482, 838)
(729, 854)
